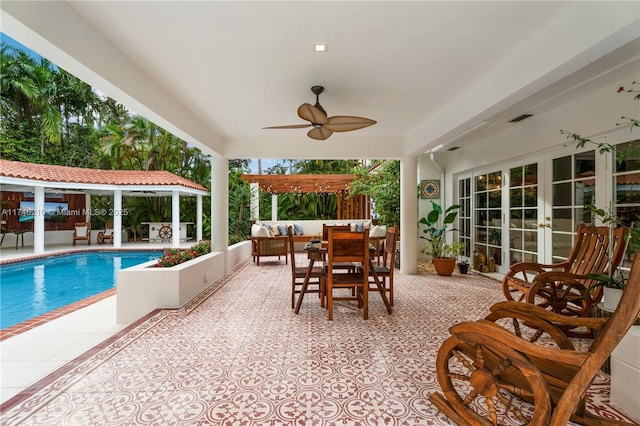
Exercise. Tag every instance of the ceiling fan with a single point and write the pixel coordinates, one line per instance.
(324, 126)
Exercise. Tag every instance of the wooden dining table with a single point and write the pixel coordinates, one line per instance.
(317, 251)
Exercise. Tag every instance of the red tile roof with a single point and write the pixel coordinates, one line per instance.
(47, 173)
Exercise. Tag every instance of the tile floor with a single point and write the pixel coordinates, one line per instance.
(239, 355)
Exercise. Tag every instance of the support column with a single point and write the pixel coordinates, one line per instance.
(274, 207)
(117, 218)
(87, 207)
(198, 217)
(409, 215)
(254, 190)
(220, 204)
(38, 220)
(175, 219)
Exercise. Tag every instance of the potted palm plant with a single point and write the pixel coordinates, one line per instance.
(437, 223)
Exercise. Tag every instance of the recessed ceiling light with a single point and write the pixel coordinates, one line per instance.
(320, 47)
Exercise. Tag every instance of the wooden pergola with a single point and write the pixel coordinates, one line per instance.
(349, 207)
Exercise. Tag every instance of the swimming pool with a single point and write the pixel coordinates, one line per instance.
(35, 287)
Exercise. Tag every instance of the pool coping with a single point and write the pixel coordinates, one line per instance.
(31, 323)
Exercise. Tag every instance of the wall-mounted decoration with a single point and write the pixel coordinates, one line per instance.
(430, 189)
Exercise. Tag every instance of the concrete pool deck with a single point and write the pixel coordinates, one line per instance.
(29, 356)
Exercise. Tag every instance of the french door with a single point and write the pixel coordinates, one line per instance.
(529, 210)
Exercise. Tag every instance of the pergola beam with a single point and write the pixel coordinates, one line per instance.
(283, 184)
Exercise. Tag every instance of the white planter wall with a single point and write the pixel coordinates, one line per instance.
(142, 288)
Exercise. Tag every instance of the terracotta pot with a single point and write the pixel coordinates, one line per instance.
(444, 265)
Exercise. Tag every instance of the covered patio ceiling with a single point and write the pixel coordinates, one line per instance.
(318, 184)
(434, 75)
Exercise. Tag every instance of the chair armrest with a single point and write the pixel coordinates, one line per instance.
(489, 331)
(534, 266)
(526, 309)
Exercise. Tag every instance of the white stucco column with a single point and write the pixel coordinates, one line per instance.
(274, 207)
(117, 218)
(87, 207)
(175, 219)
(254, 190)
(409, 215)
(198, 217)
(38, 220)
(220, 204)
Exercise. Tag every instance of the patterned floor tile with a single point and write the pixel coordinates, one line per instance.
(238, 355)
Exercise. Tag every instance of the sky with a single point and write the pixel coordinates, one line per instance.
(266, 163)
(11, 42)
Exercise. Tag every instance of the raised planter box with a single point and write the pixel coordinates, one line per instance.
(143, 288)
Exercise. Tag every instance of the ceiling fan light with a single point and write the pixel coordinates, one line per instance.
(320, 47)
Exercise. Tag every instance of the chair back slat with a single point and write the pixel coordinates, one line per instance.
(390, 247)
(347, 246)
(590, 254)
(597, 250)
(325, 230)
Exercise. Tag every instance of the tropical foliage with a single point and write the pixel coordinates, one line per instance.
(437, 223)
(383, 184)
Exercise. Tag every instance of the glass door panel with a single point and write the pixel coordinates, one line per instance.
(488, 219)
(464, 216)
(573, 184)
(523, 213)
(626, 187)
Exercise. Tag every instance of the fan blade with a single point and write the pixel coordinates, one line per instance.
(319, 133)
(310, 113)
(345, 123)
(292, 126)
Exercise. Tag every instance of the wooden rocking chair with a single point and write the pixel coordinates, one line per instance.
(561, 287)
(486, 371)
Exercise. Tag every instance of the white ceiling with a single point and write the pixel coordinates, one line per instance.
(215, 73)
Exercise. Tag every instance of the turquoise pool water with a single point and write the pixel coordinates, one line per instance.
(35, 287)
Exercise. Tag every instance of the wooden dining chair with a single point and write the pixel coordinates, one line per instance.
(298, 274)
(385, 270)
(82, 232)
(352, 247)
(325, 237)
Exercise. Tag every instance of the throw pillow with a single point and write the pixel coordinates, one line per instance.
(359, 226)
(378, 231)
(81, 231)
(297, 229)
(282, 229)
(274, 230)
(259, 231)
